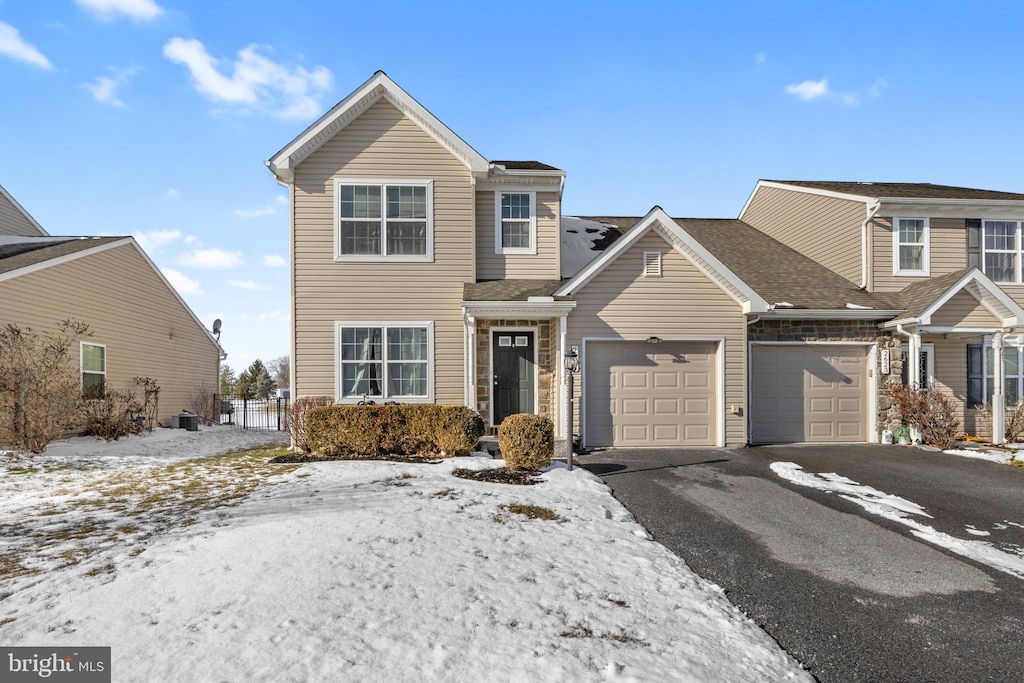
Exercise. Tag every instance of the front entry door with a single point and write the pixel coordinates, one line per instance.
(512, 358)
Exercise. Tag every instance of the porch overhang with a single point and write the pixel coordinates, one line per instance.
(534, 308)
(1005, 312)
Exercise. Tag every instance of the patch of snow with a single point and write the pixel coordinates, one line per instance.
(992, 456)
(576, 247)
(900, 510)
(373, 570)
(974, 531)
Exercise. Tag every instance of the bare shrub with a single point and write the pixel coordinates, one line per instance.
(932, 413)
(203, 402)
(295, 418)
(40, 394)
(113, 416)
(150, 400)
(1014, 422)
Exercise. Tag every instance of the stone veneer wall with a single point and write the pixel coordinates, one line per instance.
(839, 331)
(547, 356)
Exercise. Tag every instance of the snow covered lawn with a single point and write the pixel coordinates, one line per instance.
(238, 570)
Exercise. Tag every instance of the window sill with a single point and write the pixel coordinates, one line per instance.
(381, 400)
(516, 252)
(911, 273)
(352, 258)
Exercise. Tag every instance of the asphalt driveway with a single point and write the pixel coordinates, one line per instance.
(852, 595)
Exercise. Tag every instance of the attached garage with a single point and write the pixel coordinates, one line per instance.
(647, 395)
(812, 393)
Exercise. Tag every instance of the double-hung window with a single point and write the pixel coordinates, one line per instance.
(910, 246)
(384, 219)
(93, 363)
(515, 219)
(981, 365)
(1002, 250)
(389, 360)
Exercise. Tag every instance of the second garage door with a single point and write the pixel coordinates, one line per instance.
(640, 394)
(809, 393)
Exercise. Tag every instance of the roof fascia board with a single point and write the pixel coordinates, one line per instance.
(987, 286)
(7, 195)
(284, 161)
(863, 199)
(952, 208)
(828, 314)
(483, 309)
(527, 172)
(42, 265)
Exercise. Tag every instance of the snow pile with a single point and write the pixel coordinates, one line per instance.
(1001, 457)
(900, 510)
(400, 571)
(576, 248)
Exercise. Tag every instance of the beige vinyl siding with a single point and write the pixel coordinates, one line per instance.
(963, 310)
(951, 377)
(13, 221)
(947, 251)
(146, 330)
(825, 229)
(1015, 292)
(543, 265)
(382, 143)
(685, 303)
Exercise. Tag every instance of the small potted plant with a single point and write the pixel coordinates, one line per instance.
(901, 435)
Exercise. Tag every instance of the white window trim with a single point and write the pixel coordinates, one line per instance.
(382, 183)
(81, 363)
(988, 372)
(926, 243)
(656, 271)
(498, 249)
(339, 324)
(1019, 251)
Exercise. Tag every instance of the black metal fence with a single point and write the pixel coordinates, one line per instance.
(264, 414)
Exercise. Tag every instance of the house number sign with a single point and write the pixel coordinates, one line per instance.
(883, 361)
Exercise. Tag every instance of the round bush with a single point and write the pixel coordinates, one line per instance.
(526, 442)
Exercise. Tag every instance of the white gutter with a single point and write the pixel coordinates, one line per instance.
(871, 210)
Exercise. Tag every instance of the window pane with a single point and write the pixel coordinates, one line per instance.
(360, 343)
(360, 201)
(407, 202)
(407, 343)
(1012, 391)
(1000, 234)
(94, 358)
(360, 237)
(1001, 267)
(515, 234)
(92, 385)
(911, 258)
(407, 238)
(407, 379)
(358, 379)
(911, 230)
(515, 206)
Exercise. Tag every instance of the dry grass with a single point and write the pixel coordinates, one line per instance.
(533, 512)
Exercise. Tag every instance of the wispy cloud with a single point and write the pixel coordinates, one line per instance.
(109, 10)
(172, 193)
(253, 80)
(181, 282)
(273, 316)
(212, 258)
(281, 199)
(255, 213)
(274, 261)
(760, 58)
(809, 90)
(154, 239)
(250, 285)
(14, 46)
(104, 88)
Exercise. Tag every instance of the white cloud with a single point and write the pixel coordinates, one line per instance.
(14, 46)
(109, 10)
(255, 213)
(273, 316)
(192, 239)
(254, 81)
(104, 88)
(760, 58)
(809, 90)
(274, 261)
(249, 285)
(212, 258)
(172, 193)
(282, 199)
(154, 239)
(181, 282)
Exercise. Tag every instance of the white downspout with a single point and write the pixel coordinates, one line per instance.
(913, 353)
(470, 326)
(563, 387)
(871, 210)
(998, 394)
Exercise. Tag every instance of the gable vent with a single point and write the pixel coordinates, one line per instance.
(652, 264)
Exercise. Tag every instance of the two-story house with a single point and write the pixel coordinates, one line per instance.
(423, 272)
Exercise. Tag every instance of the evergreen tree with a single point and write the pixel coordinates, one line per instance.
(255, 382)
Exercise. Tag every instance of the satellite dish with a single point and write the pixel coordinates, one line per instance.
(216, 328)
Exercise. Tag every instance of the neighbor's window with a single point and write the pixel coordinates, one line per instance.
(384, 220)
(389, 361)
(516, 223)
(94, 369)
(910, 247)
(1002, 250)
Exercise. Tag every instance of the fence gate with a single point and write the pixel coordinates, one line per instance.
(262, 414)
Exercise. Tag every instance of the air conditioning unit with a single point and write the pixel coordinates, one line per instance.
(186, 420)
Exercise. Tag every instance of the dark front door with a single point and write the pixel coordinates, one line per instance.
(512, 358)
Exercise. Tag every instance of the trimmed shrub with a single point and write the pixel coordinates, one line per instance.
(374, 431)
(295, 418)
(526, 442)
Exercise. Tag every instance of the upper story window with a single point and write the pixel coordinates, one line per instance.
(1002, 250)
(384, 219)
(515, 223)
(93, 363)
(910, 246)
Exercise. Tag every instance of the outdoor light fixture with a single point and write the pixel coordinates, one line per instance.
(654, 340)
(572, 360)
(572, 364)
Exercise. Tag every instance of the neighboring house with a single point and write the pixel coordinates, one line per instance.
(139, 325)
(423, 272)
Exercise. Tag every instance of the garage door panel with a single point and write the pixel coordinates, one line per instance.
(808, 392)
(641, 395)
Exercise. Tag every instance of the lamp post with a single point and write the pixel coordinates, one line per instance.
(572, 364)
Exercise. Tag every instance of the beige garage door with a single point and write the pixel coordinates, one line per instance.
(640, 394)
(808, 393)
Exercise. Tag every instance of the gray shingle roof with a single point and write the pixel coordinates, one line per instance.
(903, 190)
(917, 297)
(510, 290)
(525, 166)
(50, 250)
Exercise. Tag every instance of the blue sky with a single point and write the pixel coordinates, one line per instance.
(154, 117)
